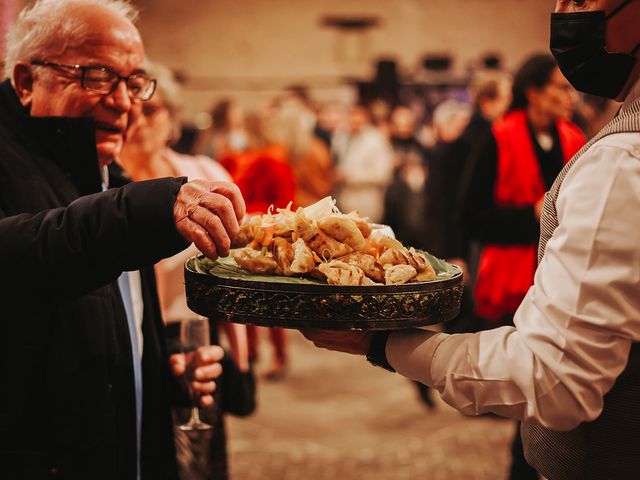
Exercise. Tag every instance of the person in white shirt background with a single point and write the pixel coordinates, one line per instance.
(364, 166)
(570, 368)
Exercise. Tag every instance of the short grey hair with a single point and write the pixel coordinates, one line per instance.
(167, 87)
(48, 29)
(170, 93)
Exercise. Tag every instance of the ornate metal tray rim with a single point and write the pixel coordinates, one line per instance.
(318, 305)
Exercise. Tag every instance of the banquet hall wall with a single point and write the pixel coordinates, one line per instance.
(250, 49)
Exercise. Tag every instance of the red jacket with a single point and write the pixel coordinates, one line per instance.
(263, 176)
(505, 273)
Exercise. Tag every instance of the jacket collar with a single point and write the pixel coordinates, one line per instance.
(68, 142)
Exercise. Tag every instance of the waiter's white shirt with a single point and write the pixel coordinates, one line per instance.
(576, 325)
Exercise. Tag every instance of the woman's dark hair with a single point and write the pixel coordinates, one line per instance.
(534, 72)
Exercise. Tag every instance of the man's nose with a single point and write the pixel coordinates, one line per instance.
(120, 98)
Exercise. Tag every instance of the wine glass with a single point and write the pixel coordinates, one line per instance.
(194, 333)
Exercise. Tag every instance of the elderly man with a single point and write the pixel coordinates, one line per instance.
(85, 377)
(570, 369)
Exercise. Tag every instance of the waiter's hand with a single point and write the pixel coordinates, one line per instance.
(200, 368)
(354, 342)
(208, 214)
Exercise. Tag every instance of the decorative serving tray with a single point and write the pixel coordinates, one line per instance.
(221, 289)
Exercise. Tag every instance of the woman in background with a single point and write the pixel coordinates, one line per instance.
(147, 154)
(265, 178)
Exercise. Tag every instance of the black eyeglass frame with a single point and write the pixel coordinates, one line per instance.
(117, 78)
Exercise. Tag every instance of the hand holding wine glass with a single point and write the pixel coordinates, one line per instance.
(199, 365)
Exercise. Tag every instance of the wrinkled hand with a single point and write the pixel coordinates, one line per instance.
(204, 366)
(208, 214)
(354, 342)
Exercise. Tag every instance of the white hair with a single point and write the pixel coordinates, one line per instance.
(48, 28)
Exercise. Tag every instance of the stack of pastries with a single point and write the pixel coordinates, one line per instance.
(322, 243)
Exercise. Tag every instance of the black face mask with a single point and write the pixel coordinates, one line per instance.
(578, 43)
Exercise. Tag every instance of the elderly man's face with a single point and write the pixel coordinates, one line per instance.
(113, 43)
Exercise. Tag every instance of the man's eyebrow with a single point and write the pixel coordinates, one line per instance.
(137, 71)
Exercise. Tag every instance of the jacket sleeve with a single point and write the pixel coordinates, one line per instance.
(59, 254)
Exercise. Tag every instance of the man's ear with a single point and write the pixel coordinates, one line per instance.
(23, 83)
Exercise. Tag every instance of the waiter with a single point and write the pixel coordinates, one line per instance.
(570, 368)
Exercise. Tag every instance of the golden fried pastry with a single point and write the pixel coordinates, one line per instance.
(253, 260)
(340, 273)
(247, 233)
(363, 226)
(367, 263)
(325, 246)
(283, 255)
(398, 274)
(343, 229)
(423, 266)
(409, 257)
(303, 259)
(389, 242)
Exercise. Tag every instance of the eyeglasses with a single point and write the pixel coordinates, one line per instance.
(103, 80)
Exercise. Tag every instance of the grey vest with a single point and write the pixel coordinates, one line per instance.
(609, 447)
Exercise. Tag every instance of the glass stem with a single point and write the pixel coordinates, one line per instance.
(195, 415)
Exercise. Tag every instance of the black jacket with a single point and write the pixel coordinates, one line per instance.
(446, 182)
(67, 406)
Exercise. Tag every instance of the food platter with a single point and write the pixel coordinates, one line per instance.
(220, 289)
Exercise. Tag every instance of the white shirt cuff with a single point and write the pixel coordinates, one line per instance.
(411, 352)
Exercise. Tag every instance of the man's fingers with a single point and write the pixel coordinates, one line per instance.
(223, 208)
(193, 232)
(178, 364)
(209, 354)
(206, 401)
(232, 192)
(208, 214)
(207, 372)
(214, 228)
(204, 388)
